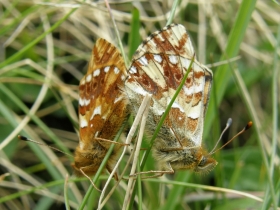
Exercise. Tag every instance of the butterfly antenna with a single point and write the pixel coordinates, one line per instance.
(229, 122)
(249, 125)
(23, 138)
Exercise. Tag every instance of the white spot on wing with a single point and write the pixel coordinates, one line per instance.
(195, 111)
(157, 109)
(185, 63)
(83, 121)
(175, 105)
(160, 36)
(81, 102)
(88, 78)
(157, 58)
(83, 82)
(116, 70)
(87, 102)
(133, 70)
(143, 61)
(136, 88)
(106, 69)
(96, 72)
(173, 59)
(96, 111)
(118, 99)
(199, 88)
(188, 91)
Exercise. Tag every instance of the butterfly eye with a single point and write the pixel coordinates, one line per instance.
(206, 164)
(202, 162)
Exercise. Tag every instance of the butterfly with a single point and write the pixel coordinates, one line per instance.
(102, 109)
(157, 68)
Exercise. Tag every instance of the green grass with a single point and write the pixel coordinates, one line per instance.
(44, 54)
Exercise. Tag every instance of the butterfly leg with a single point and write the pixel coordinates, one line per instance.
(178, 139)
(81, 169)
(169, 170)
(109, 141)
(177, 148)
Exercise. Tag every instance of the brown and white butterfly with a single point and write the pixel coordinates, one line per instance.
(157, 68)
(102, 109)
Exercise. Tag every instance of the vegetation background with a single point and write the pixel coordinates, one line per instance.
(45, 47)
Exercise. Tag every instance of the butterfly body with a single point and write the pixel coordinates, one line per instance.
(90, 159)
(172, 157)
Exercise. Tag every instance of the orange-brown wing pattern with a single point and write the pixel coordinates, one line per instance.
(158, 68)
(102, 107)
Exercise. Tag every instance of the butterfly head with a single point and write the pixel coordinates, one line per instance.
(205, 164)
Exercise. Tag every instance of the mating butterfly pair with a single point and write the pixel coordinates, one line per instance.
(157, 68)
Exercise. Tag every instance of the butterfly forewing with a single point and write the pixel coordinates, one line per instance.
(102, 107)
(158, 67)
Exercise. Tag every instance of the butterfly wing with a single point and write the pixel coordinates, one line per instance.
(102, 103)
(158, 67)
